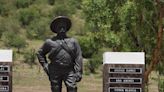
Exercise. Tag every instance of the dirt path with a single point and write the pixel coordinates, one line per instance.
(31, 89)
(153, 82)
(88, 84)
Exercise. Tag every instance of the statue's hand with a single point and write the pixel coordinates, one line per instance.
(78, 77)
(45, 67)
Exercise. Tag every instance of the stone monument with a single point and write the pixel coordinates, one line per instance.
(5, 70)
(123, 71)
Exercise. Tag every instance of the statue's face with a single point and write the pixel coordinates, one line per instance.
(61, 27)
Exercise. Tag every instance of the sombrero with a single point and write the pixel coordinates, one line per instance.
(63, 20)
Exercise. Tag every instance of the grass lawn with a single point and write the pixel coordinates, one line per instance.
(26, 79)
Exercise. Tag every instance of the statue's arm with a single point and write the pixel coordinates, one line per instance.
(41, 54)
(78, 66)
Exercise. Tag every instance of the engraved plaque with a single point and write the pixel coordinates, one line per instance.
(126, 80)
(4, 88)
(4, 68)
(4, 78)
(124, 89)
(126, 70)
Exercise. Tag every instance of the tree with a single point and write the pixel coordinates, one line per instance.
(51, 2)
(99, 18)
(30, 57)
(27, 15)
(2, 26)
(12, 39)
(40, 30)
(23, 3)
(9, 25)
(138, 24)
(157, 50)
(5, 8)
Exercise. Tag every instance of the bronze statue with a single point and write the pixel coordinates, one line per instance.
(65, 57)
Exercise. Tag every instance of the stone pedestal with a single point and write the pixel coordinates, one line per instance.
(123, 72)
(5, 70)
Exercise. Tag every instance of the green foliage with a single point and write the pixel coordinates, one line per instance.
(51, 2)
(9, 25)
(19, 42)
(23, 3)
(161, 86)
(2, 26)
(4, 8)
(76, 3)
(65, 7)
(40, 30)
(92, 42)
(96, 13)
(160, 68)
(137, 26)
(30, 57)
(12, 39)
(134, 23)
(27, 15)
(99, 18)
(94, 62)
(88, 46)
(62, 9)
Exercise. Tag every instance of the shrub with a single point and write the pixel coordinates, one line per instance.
(88, 45)
(12, 39)
(161, 86)
(160, 68)
(95, 61)
(4, 8)
(63, 8)
(30, 57)
(23, 3)
(39, 30)
(26, 16)
(51, 2)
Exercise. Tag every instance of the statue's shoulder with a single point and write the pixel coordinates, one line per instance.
(49, 41)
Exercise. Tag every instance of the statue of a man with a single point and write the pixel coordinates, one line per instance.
(65, 57)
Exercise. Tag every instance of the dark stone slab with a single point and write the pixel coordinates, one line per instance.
(123, 76)
(5, 76)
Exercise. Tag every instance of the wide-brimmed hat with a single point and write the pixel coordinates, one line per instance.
(62, 19)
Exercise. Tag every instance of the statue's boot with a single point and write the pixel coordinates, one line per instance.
(56, 89)
(71, 89)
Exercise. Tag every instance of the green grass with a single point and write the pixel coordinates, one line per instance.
(26, 79)
(34, 44)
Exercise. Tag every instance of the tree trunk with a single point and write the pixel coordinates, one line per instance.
(156, 53)
(18, 50)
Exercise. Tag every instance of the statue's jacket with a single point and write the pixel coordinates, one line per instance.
(60, 59)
